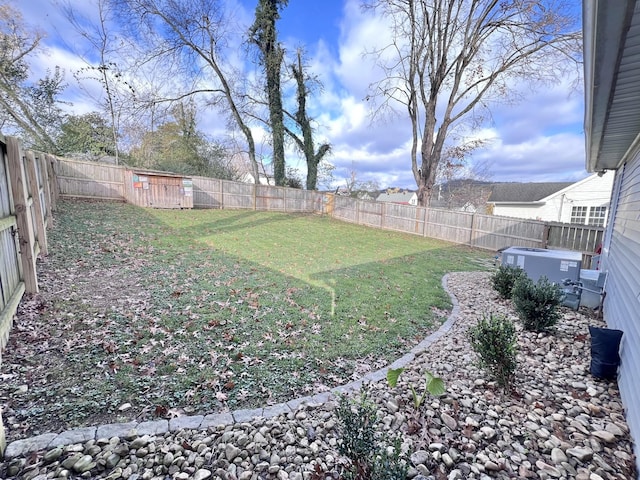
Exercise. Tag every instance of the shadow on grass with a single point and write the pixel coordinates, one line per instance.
(207, 330)
(228, 221)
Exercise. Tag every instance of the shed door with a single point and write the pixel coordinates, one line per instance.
(165, 192)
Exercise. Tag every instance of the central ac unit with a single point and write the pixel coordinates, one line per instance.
(556, 265)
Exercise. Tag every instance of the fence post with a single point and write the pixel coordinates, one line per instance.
(473, 229)
(46, 187)
(23, 214)
(545, 235)
(3, 438)
(34, 183)
(255, 195)
(383, 224)
(330, 204)
(52, 174)
(424, 225)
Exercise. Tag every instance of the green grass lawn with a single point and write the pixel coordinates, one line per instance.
(205, 309)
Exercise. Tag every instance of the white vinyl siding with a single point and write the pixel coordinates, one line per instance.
(593, 191)
(622, 302)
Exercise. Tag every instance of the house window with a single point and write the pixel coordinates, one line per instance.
(579, 215)
(596, 216)
(588, 215)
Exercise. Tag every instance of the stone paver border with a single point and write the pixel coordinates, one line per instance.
(199, 422)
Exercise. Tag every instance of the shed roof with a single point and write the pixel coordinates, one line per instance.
(157, 173)
(515, 192)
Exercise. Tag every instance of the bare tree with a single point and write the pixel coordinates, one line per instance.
(357, 188)
(31, 109)
(194, 34)
(306, 144)
(449, 58)
(264, 35)
(101, 66)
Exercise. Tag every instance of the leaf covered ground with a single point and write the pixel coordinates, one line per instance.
(155, 313)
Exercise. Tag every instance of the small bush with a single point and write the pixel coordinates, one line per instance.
(357, 427)
(367, 451)
(505, 278)
(494, 340)
(538, 304)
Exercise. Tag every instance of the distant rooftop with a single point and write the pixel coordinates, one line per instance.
(396, 196)
(525, 192)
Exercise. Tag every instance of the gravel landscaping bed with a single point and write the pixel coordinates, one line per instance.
(559, 422)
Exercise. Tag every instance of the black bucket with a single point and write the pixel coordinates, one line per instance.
(605, 352)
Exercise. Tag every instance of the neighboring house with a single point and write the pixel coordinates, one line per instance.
(611, 32)
(404, 197)
(263, 179)
(585, 202)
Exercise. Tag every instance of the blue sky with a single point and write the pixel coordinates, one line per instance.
(539, 138)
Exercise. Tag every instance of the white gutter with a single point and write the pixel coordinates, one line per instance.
(588, 30)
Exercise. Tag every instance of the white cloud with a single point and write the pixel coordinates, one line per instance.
(544, 158)
(538, 138)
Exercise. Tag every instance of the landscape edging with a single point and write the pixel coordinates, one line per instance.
(202, 422)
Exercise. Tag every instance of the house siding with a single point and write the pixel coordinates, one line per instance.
(530, 212)
(622, 303)
(594, 191)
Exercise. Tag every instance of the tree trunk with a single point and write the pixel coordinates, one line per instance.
(276, 116)
(264, 35)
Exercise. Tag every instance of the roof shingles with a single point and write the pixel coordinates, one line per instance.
(514, 192)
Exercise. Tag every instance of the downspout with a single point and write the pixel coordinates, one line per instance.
(561, 205)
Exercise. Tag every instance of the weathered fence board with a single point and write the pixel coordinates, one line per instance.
(10, 273)
(448, 225)
(26, 199)
(51, 169)
(90, 180)
(369, 214)
(23, 205)
(345, 208)
(303, 201)
(403, 218)
(582, 238)
(238, 195)
(495, 233)
(38, 208)
(272, 199)
(207, 193)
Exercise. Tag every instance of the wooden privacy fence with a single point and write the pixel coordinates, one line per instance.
(489, 232)
(28, 195)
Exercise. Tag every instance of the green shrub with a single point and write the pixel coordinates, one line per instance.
(494, 339)
(358, 433)
(369, 456)
(504, 279)
(537, 304)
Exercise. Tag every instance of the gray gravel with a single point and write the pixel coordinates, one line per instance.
(559, 423)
